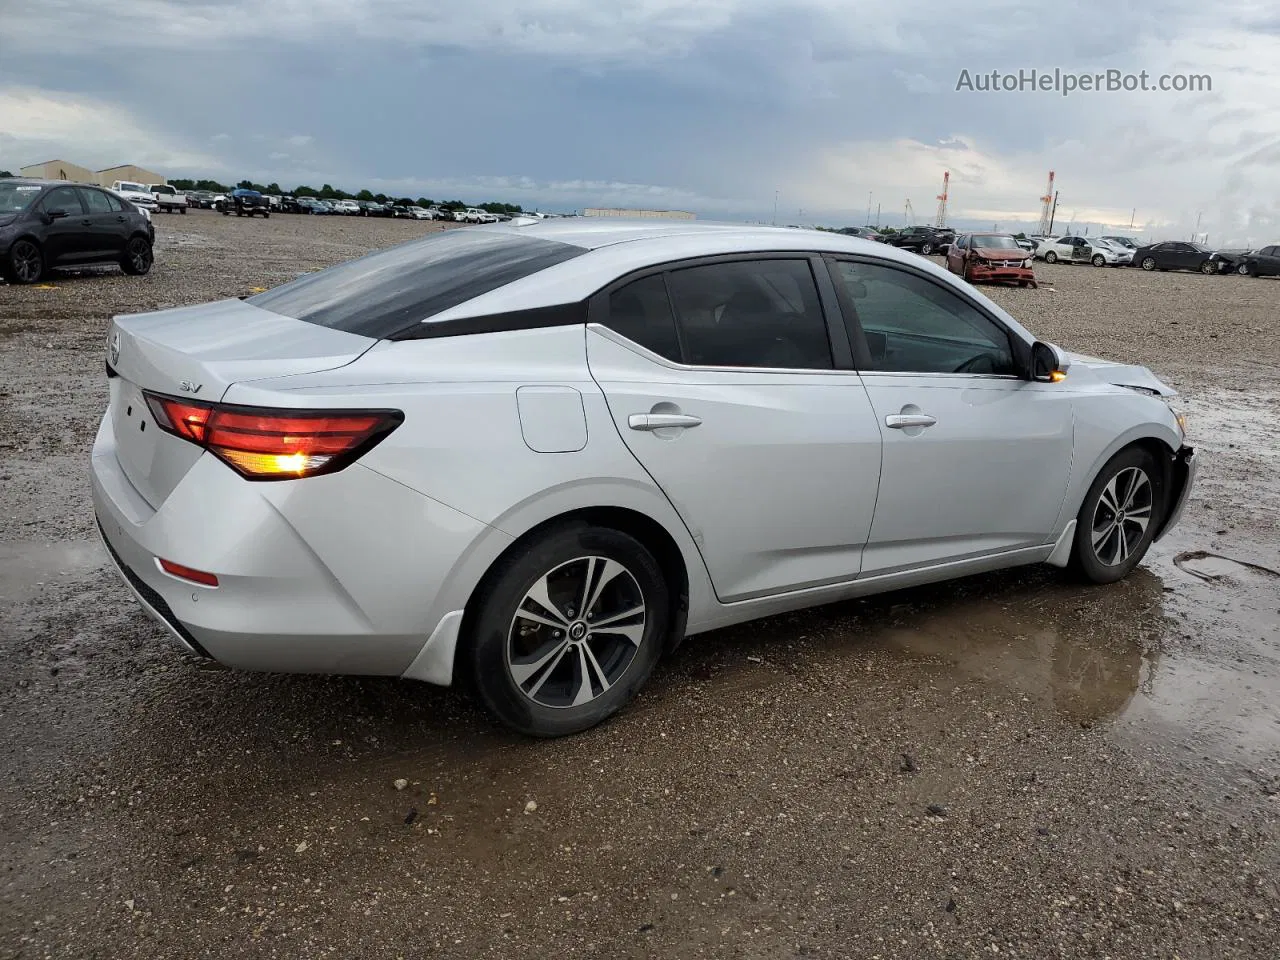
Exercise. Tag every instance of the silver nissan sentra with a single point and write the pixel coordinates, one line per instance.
(534, 456)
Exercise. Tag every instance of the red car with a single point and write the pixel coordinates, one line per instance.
(996, 257)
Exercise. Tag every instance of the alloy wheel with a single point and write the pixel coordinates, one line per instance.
(1121, 516)
(1099, 261)
(1207, 267)
(139, 254)
(1149, 263)
(26, 262)
(1050, 257)
(576, 632)
(1243, 269)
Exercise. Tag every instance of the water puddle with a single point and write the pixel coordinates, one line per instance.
(26, 568)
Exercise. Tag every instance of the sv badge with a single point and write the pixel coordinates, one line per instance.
(188, 387)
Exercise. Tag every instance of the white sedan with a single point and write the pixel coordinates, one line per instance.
(533, 457)
(1064, 250)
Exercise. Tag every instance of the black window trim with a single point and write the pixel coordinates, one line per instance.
(44, 197)
(1019, 348)
(837, 333)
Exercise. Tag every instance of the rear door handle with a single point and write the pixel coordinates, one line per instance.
(87, 223)
(899, 421)
(656, 421)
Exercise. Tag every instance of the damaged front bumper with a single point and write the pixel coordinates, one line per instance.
(1182, 479)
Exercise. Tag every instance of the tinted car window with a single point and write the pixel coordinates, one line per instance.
(913, 325)
(114, 202)
(752, 313)
(62, 199)
(641, 312)
(95, 201)
(390, 291)
(17, 196)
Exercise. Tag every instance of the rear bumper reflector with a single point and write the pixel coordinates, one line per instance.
(187, 573)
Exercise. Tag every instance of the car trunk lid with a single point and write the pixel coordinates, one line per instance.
(197, 353)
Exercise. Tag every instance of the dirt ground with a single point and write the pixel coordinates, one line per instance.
(1010, 765)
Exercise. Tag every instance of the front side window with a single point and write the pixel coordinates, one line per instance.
(913, 325)
(62, 200)
(390, 291)
(751, 313)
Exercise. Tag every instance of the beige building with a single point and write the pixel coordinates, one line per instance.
(59, 170)
(641, 214)
(128, 171)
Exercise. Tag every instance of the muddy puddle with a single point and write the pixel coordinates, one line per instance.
(27, 568)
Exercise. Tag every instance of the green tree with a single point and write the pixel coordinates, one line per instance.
(273, 188)
(213, 185)
(302, 190)
(364, 195)
(5, 173)
(405, 201)
(178, 184)
(424, 201)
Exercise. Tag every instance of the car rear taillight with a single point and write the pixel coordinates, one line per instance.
(271, 444)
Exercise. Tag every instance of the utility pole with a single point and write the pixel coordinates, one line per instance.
(869, 192)
(877, 215)
(1197, 230)
(1053, 212)
(775, 208)
(1133, 213)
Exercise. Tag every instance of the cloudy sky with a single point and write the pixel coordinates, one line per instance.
(715, 106)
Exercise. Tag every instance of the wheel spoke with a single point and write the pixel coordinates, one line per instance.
(1137, 480)
(1108, 498)
(583, 694)
(1122, 545)
(612, 569)
(589, 660)
(1139, 522)
(559, 653)
(538, 593)
(598, 626)
(634, 632)
(1099, 536)
(524, 614)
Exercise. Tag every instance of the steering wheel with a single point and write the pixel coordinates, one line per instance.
(982, 363)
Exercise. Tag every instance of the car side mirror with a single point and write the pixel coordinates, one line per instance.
(1047, 366)
(55, 214)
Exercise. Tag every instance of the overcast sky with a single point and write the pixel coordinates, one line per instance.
(714, 106)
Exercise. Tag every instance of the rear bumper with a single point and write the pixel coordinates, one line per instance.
(349, 573)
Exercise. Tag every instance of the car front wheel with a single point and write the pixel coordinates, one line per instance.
(1050, 257)
(566, 631)
(1099, 260)
(25, 263)
(1119, 517)
(1207, 267)
(926, 248)
(1245, 270)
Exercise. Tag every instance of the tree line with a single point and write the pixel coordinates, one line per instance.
(329, 192)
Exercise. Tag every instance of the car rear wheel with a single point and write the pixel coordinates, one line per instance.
(567, 630)
(1050, 257)
(1119, 517)
(1099, 260)
(1148, 263)
(926, 248)
(138, 257)
(1207, 267)
(25, 263)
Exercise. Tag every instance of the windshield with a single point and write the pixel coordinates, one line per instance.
(388, 292)
(135, 187)
(996, 241)
(16, 197)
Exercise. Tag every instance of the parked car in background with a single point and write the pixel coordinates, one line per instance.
(347, 207)
(476, 215)
(168, 199)
(51, 223)
(1127, 242)
(1109, 254)
(990, 257)
(924, 240)
(1228, 260)
(202, 199)
(419, 213)
(1026, 243)
(139, 194)
(376, 491)
(244, 203)
(1259, 263)
(1064, 249)
(399, 210)
(1176, 255)
(867, 233)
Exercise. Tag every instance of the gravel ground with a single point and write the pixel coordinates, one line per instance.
(1010, 765)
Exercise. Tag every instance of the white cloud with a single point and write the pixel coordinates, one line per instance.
(40, 124)
(277, 156)
(300, 140)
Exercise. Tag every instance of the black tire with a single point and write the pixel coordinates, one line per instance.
(559, 558)
(1099, 260)
(184, 211)
(1246, 270)
(926, 248)
(24, 263)
(1050, 257)
(1207, 268)
(267, 215)
(138, 256)
(1148, 263)
(1110, 559)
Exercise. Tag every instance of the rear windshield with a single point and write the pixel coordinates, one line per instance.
(387, 292)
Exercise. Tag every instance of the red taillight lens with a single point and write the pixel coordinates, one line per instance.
(267, 444)
(188, 573)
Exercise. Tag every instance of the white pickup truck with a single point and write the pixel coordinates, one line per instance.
(139, 194)
(168, 199)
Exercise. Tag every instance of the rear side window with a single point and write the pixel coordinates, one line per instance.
(751, 313)
(95, 201)
(388, 292)
(641, 312)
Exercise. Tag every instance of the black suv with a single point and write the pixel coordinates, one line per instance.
(925, 240)
(245, 203)
(53, 223)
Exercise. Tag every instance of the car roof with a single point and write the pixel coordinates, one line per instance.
(39, 182)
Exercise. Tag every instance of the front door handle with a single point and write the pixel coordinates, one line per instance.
(87, 223)
(899, 421)
(657, 421)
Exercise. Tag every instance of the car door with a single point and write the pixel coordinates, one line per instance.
(1177, 256)
(976, 458)
(1268, 260)
(108, 228)
(956, 254)
(729, 386)
(69, 236)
